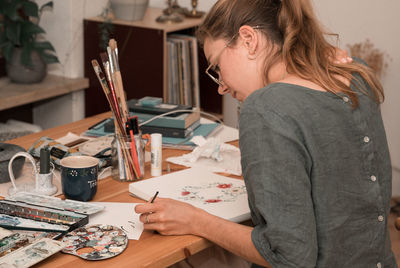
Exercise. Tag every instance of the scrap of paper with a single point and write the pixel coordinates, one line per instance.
(122, 215)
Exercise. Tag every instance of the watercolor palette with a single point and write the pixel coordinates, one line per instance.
(55, 202)
(16, 240)
(20, 215)
(95, 242)
(31, 254)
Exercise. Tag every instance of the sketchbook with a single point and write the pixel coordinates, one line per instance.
(218, 195)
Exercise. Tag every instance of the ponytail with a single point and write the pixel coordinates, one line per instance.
(291, 26)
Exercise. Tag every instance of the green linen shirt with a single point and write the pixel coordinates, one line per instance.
(318, 176)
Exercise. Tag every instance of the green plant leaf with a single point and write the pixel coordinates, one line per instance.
(30, 9)
(7, 50)
(29, 31)
(26, 56)
(3, 5)
(44, 45)
(49, 58)
(48, 4)
(11, 10)
(3, 37)
(13, 33)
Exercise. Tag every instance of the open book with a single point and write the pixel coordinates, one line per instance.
(218, 195)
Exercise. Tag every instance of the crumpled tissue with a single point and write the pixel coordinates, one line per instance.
(211, 154)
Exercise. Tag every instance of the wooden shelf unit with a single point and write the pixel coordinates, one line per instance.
(143, 60)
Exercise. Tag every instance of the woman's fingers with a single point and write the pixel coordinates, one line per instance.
(342, 57)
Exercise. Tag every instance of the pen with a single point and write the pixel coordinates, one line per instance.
(154, 197)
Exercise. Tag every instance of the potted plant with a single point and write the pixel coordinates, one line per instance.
(129, 9)
(21, 41)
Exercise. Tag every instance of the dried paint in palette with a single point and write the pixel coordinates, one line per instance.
(19, 239)
(28, 224)
(57, 203)
(96, 242)
(21, 215)
(32, 254)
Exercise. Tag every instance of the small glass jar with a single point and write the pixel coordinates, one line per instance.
(126, 164)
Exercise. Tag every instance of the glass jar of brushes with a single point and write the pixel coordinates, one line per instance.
(127, 157)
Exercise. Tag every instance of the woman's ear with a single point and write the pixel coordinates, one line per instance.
(249, 39)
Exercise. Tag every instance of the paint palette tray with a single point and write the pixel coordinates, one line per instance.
(24, 216)
(97, 242)
(55, 202)
(31, 254)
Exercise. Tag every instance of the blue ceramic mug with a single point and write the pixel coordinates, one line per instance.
(79, 177)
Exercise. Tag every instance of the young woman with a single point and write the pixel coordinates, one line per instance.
(314, 152)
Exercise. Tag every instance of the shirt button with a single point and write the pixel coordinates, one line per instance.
(380, 218)
(366, 139)
(345, 99)
(373, 178)
(378, 265)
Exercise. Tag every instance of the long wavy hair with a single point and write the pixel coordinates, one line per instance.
(292, 27)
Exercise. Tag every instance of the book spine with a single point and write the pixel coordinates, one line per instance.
(180, 121)
(171, 132)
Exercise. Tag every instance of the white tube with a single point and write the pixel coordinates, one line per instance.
(156, 154)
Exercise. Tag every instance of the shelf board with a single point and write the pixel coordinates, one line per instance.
(149, 21)
(13, 95)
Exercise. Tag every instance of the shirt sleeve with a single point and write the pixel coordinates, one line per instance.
(276, 168)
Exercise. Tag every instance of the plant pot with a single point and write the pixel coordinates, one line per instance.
(129, 9)
(21, 74)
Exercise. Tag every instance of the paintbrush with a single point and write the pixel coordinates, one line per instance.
(107, 92)
(119, 126)
(118, 77)
(106, 65)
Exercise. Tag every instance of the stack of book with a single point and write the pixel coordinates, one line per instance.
(183, 71)
(177, 128)
(175, 125)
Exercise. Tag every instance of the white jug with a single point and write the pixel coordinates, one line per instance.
(43, 184)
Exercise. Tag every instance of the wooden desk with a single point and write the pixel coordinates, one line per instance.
(152, 250)
(13, 95)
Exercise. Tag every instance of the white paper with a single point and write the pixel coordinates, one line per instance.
(218, 195)
(122, 215)
(69, 137)
(226, 134)
(213, 155)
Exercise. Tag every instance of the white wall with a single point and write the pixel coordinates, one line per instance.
(353, 20)
(64, 29)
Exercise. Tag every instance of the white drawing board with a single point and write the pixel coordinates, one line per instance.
(218, 195)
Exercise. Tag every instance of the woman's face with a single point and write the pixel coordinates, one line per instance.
(237, 74)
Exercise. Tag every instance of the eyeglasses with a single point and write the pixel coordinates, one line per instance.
(213, 70)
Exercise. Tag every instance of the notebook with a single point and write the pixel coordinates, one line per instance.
(218, 195)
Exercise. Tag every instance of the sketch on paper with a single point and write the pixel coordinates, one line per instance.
(212, 192)
(122, 215)
(218, 195)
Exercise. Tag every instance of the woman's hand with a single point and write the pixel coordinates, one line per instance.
(168, 216)
(342, 57)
